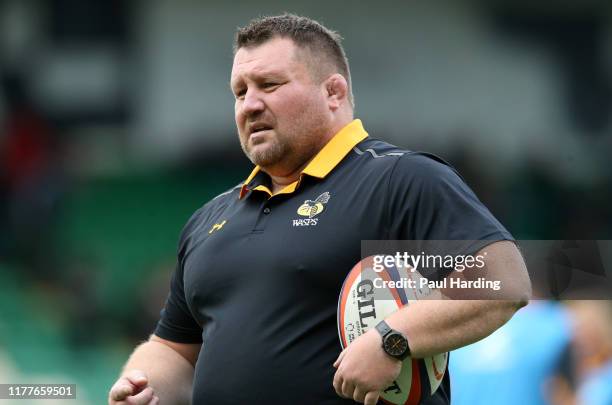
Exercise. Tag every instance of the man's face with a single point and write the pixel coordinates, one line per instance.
(281, 111)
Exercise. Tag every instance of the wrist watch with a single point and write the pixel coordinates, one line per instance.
(394, 343)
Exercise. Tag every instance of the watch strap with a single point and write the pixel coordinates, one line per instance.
(383, 328)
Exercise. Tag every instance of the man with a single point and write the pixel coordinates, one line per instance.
(251, 315)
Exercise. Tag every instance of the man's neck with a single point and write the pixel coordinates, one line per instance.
(280, 182)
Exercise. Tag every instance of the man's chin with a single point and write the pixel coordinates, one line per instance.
(264, 156)
(264, 161)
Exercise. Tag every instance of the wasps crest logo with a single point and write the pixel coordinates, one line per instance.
(311, 209)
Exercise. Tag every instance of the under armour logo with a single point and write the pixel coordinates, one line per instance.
(216, 227)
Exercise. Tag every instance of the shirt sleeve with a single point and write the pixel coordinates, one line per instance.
(176, 321)
(428, 200)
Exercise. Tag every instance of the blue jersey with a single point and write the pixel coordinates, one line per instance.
(512, 365)
(596, 388)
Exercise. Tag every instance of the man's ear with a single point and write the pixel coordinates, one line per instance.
(336, 91)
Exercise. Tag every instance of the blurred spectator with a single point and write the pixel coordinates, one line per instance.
(30, 179)
(514, 364)
(593, 351)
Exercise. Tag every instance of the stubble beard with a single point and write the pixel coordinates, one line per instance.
(293, 146)
(269, 156)
(284, 154)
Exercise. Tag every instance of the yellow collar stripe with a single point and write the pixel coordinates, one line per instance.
(336, 149)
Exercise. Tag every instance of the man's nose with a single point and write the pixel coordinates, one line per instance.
(252, 103)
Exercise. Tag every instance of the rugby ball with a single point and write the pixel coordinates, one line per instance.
(370, 294)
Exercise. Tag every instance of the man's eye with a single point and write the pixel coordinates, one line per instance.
(269, 85)
(240, 94)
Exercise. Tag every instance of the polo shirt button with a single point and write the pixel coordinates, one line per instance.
(267, 210)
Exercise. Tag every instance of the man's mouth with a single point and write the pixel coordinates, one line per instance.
(258, 128)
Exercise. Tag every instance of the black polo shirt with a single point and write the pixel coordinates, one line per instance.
(258, 275)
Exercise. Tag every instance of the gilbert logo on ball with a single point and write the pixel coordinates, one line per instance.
(365, 300)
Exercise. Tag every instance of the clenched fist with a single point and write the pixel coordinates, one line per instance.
(132, 388)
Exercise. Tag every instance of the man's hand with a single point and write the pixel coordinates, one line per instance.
(364, 369)
(132, 389)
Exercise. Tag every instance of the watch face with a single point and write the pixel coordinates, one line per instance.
(395, 344)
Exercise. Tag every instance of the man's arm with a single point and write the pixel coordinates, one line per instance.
(158, 371)
(469, 315)
(437, 326)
